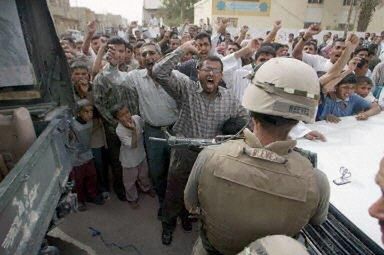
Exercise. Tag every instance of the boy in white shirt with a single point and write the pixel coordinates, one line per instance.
(132, 154)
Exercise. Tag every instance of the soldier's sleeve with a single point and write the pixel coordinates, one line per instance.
(191, 199)
(322, 210)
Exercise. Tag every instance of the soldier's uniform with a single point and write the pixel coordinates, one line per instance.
(247, 191)
(244, 190)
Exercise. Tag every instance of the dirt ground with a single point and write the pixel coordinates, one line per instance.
(124, 230)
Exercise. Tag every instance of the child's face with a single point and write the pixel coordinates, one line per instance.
(343, 91)
(79, 74)
(363, 89)
(124, 117)
(86, 113)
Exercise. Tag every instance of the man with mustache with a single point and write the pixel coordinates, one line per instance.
(204, 108)
(158, 110)
(319, 63)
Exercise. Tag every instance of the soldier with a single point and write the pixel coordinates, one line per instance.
(258, 186)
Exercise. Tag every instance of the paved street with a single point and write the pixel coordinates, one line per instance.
(120, 224)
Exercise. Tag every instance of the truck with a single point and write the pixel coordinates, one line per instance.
(36, 98)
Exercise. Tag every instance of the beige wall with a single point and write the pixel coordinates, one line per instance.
(294, 13)
(377, 22)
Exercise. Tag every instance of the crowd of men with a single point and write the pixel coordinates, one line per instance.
(191, 83)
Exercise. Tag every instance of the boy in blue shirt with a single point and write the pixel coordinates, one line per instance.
(346, 103)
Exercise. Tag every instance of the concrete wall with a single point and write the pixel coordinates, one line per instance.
(377, 22)
(293, 13)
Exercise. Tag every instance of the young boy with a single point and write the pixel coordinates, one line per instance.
(346, 103)
(132, 154)
(363, 88)
(83, 172)
(80, 77)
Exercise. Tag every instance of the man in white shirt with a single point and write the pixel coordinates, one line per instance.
(319, 63)
(153, 21)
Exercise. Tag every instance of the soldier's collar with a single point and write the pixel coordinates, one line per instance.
(279, 147)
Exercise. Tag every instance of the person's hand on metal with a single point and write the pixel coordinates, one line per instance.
(315, 135)
(362, 116)
(332, 118)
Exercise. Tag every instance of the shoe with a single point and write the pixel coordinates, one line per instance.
(134, 204)
(106, 195)
(166, 237)
(186, 224)
(121, 197)
(82, 207)
(151, 193)
(98, 200)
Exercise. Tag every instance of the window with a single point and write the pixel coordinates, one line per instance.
(348, 2)
(315, 1)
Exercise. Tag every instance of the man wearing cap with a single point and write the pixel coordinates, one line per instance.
(257, 186)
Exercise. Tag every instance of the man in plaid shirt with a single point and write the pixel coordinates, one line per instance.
(204, 108)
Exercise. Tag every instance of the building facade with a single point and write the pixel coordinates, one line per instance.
(295, 14)
(151, 7)
(66, 17)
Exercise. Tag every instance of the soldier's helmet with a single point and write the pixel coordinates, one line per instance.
(275, 245)
(284, 87)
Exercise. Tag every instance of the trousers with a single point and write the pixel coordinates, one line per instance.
(158, 154)
(182, 160)
(85, 181)
(113, 159)
(136, 175)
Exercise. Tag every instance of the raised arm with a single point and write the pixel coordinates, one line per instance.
(98, 64)
(175, 83)
(297, 52)
(91, 30)
(272, 35)
(242, 34)
(350, 45)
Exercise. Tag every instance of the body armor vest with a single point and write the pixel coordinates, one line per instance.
(246, 193)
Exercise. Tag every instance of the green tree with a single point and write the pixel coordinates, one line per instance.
(176, 11)
(367, 9)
